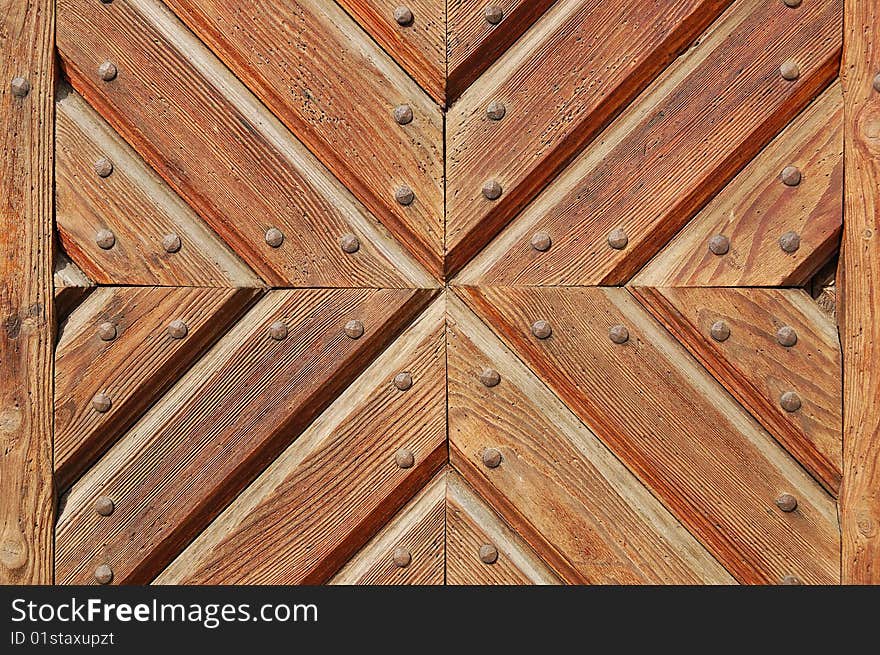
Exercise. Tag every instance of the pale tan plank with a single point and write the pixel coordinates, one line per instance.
(72, 286)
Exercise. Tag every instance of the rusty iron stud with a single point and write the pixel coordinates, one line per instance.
(104, 505)
(107, 71)
(491, 190)
(493, 14)
(786, 336)
(105, 239)
(618, 239)
(403, 114)
(177, 329)
(354, 329)
(719, 245)
(402, 557)
(791, 580)
(790, 401)
(404, 195)
(720, 331)
(490, 377)
(541, 241)
(103, 167)
(790, 242)
(488, 554)
(786, 502)
(794, 4)
(618, 334)
(107, 331)
(404, 458)
(20, 87)
(403, 380)
(106, 2)
(349, 243)
(101, 403)
(274, 237)
(790, 71)
(541, 329)
(278, 331)
(171, 243)
(103, 574)
(877, 82)
(403, 16)
(496, 110)
(491, 458)
(790, 176)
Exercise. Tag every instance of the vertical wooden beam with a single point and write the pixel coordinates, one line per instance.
(860, 494)
(27, 84)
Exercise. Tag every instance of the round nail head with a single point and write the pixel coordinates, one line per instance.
(719, 245)
(404, 195)
(101, 402)
(171, 243)
(618, 334)
(274, 237)
(354, 329)
(541, 241)
(488, 554)
(790, 71)
(107, 331)
(877, 82)
(107, 71)
(491, 458)
(403, 16)
(786, 502)
(104, 505)
(403, 114)
(490, 377)
(103, 167)
(541, 329)
(404, 458)
(792, 3)
(617, 239)
(720, 331)
(403, 380)
(177, 329)
(494, 14)
(349, 243)
(786, 336)
(105, 239)
(103, 574)
(278, 331)
(790, 401)
(790, 242)
(791, 580)
(491, 190)
(496, 110)
(791, 176)
(20, 87)
(402, 557)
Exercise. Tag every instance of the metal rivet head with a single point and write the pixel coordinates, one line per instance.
(354, 329)
(20, 87)
(618, 334)
(877, 82)
(403, 380)
(105, 239)
(790, 242)
(790, 71)
(274, 237)
(103, 167)
(719, 245)
(786, 502)
(349, 243)
(104, 505)
(496, 110)
(786, 336)
(790, 176)
(541, 329)
(177, 329)
(790, 401)
(791, 579)
(488, 554)
(403, 114)
(491, 458)
(278, 331)
(490, 377)
(171, 243)
(403, 16)
(107, 331)
(404, 458)
(792, 3)
(404, 195)
(493, 14)
(107, 71)
(402, 557)
(491, 190)
(720, 331)
(103, 574)
(541, 241)
(101, 402)
(617, 239)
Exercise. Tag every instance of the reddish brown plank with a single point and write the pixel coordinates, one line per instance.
(304, 533)
(678, 145)
(560, 85)
(134, 367)
(757, 369)
(675, 428)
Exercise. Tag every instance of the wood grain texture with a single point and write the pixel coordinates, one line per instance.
(336, 90)
(757, 370)
(578, 507)
(679, 144)
(72, 286)
(222, 151)
(136, 205)
(822, 287)
(860, 493)
(470, 524)
(560, 85)
(26, 247)
(135, 368)
(675, 428)
(756, 208)
(420, 530)
(245, 401)
(419, 47)
(304, 533)
(473, 43)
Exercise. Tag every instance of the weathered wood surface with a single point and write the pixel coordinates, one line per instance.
(756, 369)
(756, 208)
(860, 493)
(675, 427)
(304, 531)
(134, 368)
(231, 415)
(337, 90)
(217, 147)
(136, 205)
(26, 246)
(417, 531)
(558, 486)
(72, 286)
(677, 145)
(560, 85)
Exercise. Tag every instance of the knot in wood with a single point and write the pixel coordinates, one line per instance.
(493, 14)
(618, 334)
(171, 243)
(103, 574)
(403, 114)
(177, 329)
(274, 237)
(491, 190)
(488, 554)
(491, 458)
(790, 401)
(349, 243)
(107, 331)
(404, 195)
(354, 329)
(790, 242)
(541, 241)
(719, 245)
(404, 458)
(278, 331)
(790, 176)
(542, 329)
(403, 380)
(107, 71)
(490, 377)
(496, 110)
(720, 331)
(403, 16)
(786, 502)
(786, 336)
(101, 402)
(105, 239)
(104, 505)
(20, 87)
(402, 557)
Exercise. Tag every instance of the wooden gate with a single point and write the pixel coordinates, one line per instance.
(531, 291)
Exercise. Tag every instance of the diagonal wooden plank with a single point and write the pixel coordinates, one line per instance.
(118, 345)
(72, 286)
(217, 147)
(131, 201)
(665, 417)
(558, 486)
(337, 91)
(304, 533)
(220, 425)
(757, 208)
(677, 145)
(410, 549)
(471, 525)
(559, 85)
(758, 364)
